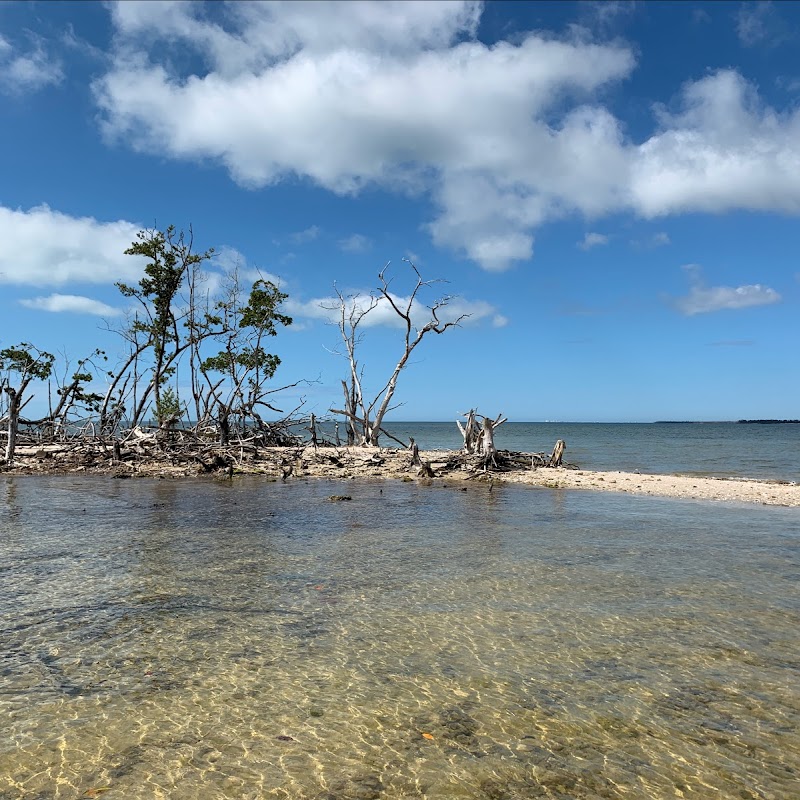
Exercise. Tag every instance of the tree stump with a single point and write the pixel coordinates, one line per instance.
(487, 443)
(558, 453)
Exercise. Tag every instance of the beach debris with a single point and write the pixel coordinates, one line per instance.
(479, 437)
(338, 498)
(558, 453)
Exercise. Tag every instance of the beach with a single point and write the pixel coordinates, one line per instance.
(682, 486)
(363, 463)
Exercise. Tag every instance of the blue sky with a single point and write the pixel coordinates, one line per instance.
(610, 190)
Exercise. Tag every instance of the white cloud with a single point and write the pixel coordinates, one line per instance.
(760, 24)
(705, 299)
(605, 14)
(308, 235)
(76, 304)
(357, 243)
(724, 151)
(400, 95)
(327, 309)
(387, 94)
(27, 70)
(499, 321)
(702, 300)
(226, 259)
(42, 247)
(591, 240)
(250, 36)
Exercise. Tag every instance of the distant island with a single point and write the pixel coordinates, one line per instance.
(768, 421)
(738, 422)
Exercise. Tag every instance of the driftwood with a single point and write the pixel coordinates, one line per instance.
(424, 468)
(558, 453)
(504, 461)
(479, 437)
(271, 449)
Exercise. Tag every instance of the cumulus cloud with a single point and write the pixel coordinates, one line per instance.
(501, 138)
(73, 303)
(42, 247)
(724, 150)
(27, 69)
(591, 240)
(357, 243)
(705, 299)
(328, 310)
(391, 94)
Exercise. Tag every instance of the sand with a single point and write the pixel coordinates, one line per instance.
(386, 463)
(696, 488)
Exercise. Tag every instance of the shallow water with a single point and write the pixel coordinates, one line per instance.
(204, 639)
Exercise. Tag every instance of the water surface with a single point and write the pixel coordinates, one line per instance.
(245, 640)
(720, 449)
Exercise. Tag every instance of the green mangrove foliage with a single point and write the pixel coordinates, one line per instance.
(195, 355)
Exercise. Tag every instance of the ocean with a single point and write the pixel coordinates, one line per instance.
(215, 639)
(719, 449)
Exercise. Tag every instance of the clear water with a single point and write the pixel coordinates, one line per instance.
(720, 449)
(254, 640)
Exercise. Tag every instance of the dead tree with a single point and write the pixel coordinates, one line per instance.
(488, 449)
(367, 417)
(476, 438)
(558, 453)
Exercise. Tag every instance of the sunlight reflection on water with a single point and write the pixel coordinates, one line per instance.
(202, 639)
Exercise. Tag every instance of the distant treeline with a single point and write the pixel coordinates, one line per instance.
(738, 422)
(768, 421)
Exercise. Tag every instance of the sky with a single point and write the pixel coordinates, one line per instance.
(610, 191)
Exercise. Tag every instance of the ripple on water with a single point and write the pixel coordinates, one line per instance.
(188, 640)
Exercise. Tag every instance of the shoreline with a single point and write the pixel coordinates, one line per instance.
(356, 463)
(744, 490)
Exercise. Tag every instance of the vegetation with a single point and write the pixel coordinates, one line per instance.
(194, 363)
(365, 415)
(195, 373)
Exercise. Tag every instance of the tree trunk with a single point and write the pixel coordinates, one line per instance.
(558, 453)
(313, 430)
(471, 432)
(13, 423)
(487, 443)
(350, 409)
(224, 429)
